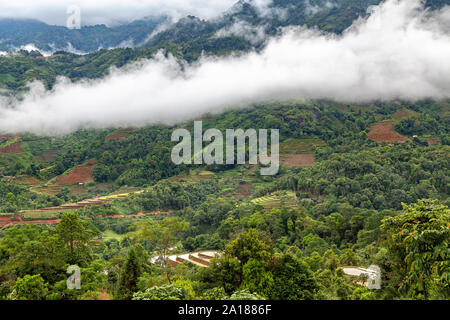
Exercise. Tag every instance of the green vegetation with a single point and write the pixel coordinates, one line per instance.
(300, 145)
(288, 236)
(281, 237)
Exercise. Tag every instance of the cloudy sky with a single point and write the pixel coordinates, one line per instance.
(399, 52)
(111, 12)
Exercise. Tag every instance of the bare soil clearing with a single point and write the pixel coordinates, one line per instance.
(433, 141)
(384, 132)
(28, 180)
(13, 148)
(47, 156)
(297, 160)
(117, 136)
(80, 174)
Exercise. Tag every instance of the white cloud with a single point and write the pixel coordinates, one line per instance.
(399, 52)
(110, 12)
(314, 9)
(254, 34)
(31, 47)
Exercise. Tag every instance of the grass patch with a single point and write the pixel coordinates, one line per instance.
(41, 215)
(300, 145)
(8, 161)
(109, 235)
(37, 147)
(5, 214)
(9, 142)
(404, 113)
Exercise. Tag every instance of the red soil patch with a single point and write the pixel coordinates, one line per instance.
(244, 190)
(297, 160)
(36, 222)
(138, 215)
(384, 132)
(9, 137)
(6, 221)
(13, 148)
(47, 156)
(28, 180)
(117, 136)
(432, 141)
(122, 133)
(82, 173)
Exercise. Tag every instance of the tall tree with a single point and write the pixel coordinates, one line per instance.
(293, 279)
(129, 275)
(163, 234)
(75, 235)
(418, 240)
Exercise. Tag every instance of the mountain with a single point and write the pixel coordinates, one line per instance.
(17, 33)
(328, 15)
(242, 28)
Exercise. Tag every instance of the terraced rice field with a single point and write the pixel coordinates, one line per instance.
(193, 176)
(120, 134)
(287, 198)
(6, 221)
(201, 259)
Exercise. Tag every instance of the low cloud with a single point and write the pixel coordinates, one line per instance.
(242, 29)
(400, 52)
(311, 9)
(110, 12)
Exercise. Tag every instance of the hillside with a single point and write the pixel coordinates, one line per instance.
(337, 200)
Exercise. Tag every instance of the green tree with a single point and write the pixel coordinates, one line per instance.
(29, 288)
(163, 234)
(167, 292)
(418, 240)
(293, 279)
(226, 271)
(249, 246)
(101, 173)
(256, 278)
(75, 235)
(130, 275)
